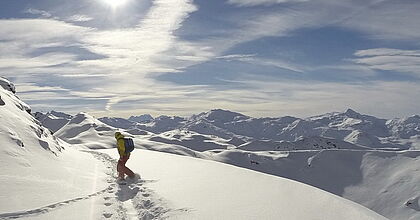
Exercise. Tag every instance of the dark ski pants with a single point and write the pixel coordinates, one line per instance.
(122, 169)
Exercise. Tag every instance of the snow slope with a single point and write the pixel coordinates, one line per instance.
(202, 189)
(37, 169)
(86, 131)
(175, 187)
(365, 175)
(380, 180)
(7, 85)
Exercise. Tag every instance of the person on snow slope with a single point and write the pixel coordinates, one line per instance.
(124, 156)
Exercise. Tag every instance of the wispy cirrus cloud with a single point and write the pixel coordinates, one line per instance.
(42, 13)
(143, 46)
(386, 52)
(244, 3)
(79, 18)
(387, 20)
(20, 38)
(36, 49)
(255, 60)
(112, 68)
(39, 30)
(290, 97)
(401, 61)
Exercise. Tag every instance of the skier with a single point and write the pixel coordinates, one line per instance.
(124, 156)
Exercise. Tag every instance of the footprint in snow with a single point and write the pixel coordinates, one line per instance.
(107, 215)
(146, 194)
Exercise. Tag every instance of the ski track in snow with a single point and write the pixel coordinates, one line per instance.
(48, 208)
(131, 201)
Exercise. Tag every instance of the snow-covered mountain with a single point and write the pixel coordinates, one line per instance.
(348, 154)
(348, 126)
(43, 177)
(20, 130)
(83, 129)
(371, 161)
(158, 125)
(118, 122)
(141, 118)
(53, 120)
(38, 169)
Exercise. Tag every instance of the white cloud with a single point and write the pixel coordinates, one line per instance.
(236, 56)
(376, 18)
(79, 18)
(142, 47)
(386, 52)
(252, 24)
(402, 61)
(392, 20)
(261, 2)
(44, 14)
(45, 60)
(21, 38)
(128, 56)
(299, 98)
(351, 69)
(253, 59)
(132, 55)
(39, 31)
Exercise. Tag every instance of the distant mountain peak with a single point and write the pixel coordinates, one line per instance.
(60, 114)
(223, 115)
(141, 118)
(80, 117)
(351, 113)
(411, 119)
(415, 116)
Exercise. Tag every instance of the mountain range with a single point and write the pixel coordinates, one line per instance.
(192, 167)
(353, 155)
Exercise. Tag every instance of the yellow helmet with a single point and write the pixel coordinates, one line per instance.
(117, 134)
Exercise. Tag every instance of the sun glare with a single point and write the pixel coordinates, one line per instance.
(115, 3)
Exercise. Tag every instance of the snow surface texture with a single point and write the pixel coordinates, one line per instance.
(37, 169)
(202, 189)
(334, 156)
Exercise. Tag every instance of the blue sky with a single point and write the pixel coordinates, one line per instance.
(179, 57)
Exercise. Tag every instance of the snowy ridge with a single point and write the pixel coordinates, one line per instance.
(35, 163)
(117, 122)
(7, 85)
(83, 128)
(141, 118)
(53, 120)
(345, 166)
(19, 128)
(348, 126)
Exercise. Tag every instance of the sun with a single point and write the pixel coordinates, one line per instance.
(115, 3)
